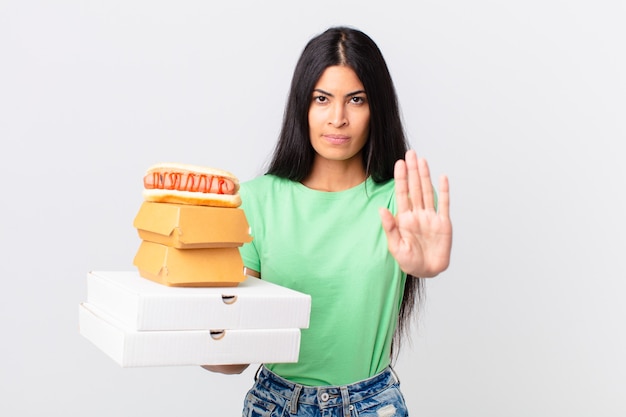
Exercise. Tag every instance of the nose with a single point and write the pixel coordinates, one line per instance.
(338, 116)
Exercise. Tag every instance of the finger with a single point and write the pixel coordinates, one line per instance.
(428, 194)
(390, 227)
(443, 206)
(402, 187)
(415, 187)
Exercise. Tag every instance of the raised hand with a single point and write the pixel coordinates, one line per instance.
(420, 235)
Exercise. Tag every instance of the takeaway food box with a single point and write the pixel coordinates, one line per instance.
(138, 322)
(191, 246)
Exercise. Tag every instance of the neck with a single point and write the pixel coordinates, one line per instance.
(335, 176)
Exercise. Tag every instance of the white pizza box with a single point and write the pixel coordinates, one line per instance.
(142, 304)
(132, 348)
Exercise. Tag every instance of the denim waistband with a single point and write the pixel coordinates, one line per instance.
(325, 396)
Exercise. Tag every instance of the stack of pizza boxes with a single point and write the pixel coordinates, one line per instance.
(189, 301)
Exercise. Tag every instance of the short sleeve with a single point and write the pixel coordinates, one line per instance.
(248, 251)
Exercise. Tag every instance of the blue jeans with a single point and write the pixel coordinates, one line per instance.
(273, 396)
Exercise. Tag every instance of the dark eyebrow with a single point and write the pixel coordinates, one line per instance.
(354, 93)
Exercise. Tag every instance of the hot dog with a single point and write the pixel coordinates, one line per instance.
(171, 182)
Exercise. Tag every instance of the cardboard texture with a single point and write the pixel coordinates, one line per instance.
(142, 304)
(132, 348)
(186, 226)
(218, 267)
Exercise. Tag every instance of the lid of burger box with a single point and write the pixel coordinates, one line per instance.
(192, 226)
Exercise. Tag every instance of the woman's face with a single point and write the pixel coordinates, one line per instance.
(339, 115)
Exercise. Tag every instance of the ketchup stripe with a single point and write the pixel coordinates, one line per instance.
(191, 182)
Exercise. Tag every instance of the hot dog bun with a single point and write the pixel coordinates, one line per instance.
(172, 182)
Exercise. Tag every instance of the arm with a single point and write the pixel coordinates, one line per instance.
(237, 368)
(420, 235)
(252, 272)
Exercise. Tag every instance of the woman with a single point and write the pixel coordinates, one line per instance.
(329, 219)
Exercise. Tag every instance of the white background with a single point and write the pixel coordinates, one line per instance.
(521, 103)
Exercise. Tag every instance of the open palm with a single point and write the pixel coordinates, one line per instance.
(420, 235)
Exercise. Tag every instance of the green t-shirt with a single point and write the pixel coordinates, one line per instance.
(332, 246)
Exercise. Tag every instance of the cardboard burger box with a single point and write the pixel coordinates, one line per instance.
(185, 226)
(191, 245)
(138, 322)
(217, 267)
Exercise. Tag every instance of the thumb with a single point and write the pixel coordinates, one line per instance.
(389, 225)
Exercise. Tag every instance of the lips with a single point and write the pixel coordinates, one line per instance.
(337, 139)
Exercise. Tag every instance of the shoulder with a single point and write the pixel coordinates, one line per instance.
(383, 188)
(384, 185)
(263, 182)
(264, 187)
(383, 194)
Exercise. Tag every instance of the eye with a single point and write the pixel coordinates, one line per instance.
(320, 99)
(357, 100)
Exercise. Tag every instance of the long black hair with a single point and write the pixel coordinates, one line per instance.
(294, 154)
